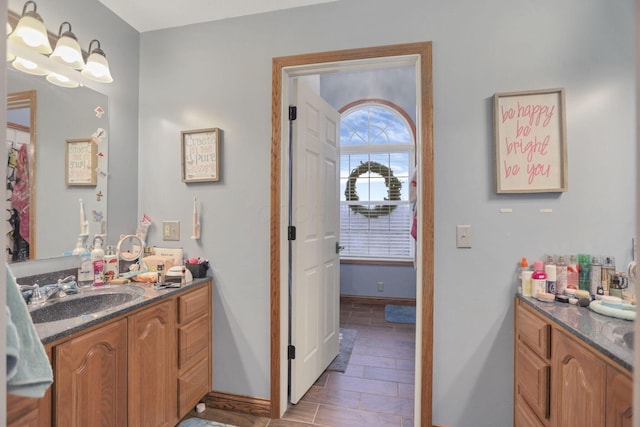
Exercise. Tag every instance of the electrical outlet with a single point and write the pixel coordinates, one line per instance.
(170, 230)
(380, 286)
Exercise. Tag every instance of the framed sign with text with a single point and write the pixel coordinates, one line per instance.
(530, 141)
(200, 155)
(81, 158)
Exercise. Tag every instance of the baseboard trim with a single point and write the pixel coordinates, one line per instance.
(238, 403)
(376, 300)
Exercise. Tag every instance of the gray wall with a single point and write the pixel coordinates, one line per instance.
(398, 281)
(219, 74)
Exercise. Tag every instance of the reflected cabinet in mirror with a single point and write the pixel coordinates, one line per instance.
(44, 210)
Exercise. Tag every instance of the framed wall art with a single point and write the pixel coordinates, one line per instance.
(81, 158)
(200, 150)
(530, 141)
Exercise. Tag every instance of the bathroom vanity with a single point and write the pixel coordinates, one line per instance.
(572, 367)
(148, 363)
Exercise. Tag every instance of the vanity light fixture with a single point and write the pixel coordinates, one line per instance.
(60, 80)
(97, 67)
(29, 67)
(31, 32)
(67, 49)
(29, 50)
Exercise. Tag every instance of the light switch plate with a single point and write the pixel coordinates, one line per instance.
(463, 236)
(170, 230)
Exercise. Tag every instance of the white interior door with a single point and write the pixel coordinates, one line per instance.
(315, 291)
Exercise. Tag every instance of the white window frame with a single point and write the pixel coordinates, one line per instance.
(408, 148)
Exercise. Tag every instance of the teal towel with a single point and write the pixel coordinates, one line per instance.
(30, 373)
(13, 346)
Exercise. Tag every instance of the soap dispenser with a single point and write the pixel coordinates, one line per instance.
(97, 258)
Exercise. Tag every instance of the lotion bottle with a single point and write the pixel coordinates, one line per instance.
(550, 271)
(525, 278)
(85, 272)
(97, 258)
(539, 278)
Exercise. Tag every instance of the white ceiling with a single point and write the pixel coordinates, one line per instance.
(149, 15)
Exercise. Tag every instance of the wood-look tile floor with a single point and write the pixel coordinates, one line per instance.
(376, 390)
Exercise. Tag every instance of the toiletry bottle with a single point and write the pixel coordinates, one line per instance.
(539, 278)
(550, 271)
(110, 264)
(97, 258)
(85, 271)
(584, 264)
(572, 274)
(525, 278)
(160, 270)
(561, 276)
(595, 278)
(608, 270)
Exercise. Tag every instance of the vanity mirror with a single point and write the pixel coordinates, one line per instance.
(46, 117)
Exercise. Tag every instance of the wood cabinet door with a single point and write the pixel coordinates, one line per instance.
(619, 399)
(153, 388)
(91, 378)
(579, 381)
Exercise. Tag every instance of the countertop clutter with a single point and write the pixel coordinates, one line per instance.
(610, 336)
(52, 331)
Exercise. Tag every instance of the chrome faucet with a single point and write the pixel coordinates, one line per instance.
(64, 287)
(36, 294)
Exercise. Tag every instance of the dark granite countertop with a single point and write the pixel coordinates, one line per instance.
(604, 334)
(52, 331)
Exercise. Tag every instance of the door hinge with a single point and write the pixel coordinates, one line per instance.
(291, 352)
(291, 232)
(293, 112)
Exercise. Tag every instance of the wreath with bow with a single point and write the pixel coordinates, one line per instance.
(392, 183)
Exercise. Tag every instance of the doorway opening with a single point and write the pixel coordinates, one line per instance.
(284, 68)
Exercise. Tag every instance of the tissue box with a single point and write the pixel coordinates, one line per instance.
(198, 271)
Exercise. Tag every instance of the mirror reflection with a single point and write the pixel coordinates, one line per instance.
(52, 115)
(20, 185)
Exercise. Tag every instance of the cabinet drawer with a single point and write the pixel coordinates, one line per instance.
(533, 380)
(524, 416)
(193, 385)
(193, 304)
(193, 340)
(533, 331)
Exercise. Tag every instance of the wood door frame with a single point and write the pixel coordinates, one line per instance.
(425, 248)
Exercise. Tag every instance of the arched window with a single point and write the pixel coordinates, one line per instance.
(377, 151)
